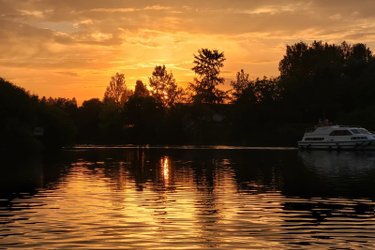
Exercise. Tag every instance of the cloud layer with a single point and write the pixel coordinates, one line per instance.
(71, 48)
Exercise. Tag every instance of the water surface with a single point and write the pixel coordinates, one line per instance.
(189, 198)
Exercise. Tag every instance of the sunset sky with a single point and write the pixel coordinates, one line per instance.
(71, 48)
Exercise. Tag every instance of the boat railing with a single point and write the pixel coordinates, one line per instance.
(312, 129)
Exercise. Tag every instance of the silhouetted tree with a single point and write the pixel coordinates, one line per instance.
(317, 80)
(255, 107)
(312, 80)
(259, 91)
(140, 89)
(322, 80)
(88, 121)
(357, 56)
(18, 117)
(360, 54)
(164, 87)
(293, 59)
(112, 123)
(267, 90)
(207, 66)
(240, 84)
(21, 113)
(143, 115)
(68, 106)
(117, 91)
(58, 126)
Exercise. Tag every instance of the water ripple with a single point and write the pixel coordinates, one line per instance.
(187, 201)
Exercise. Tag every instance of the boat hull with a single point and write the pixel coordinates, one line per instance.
(341, 145)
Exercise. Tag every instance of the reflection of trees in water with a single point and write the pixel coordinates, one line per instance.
(344, 162)
(259, 171)
(326, 195)
(215, 195)
(336, 221)
(22, 178)
(18, 178)
(294, 173)
(155, 173)
(206, 201)
(303, 174)
(253, 170)
(329, 191)
(332, 174)
(26, 175)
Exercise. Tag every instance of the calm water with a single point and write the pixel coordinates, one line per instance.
(189, 198)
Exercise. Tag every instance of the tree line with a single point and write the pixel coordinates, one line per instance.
(316, 81)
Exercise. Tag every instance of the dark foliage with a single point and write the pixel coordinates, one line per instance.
(207, 66)
(317, 81)
(88, 121)
(30, 125)
(321, 80)
(144, 117)
(164, 87)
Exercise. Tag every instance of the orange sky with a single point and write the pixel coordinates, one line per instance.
(72, 48)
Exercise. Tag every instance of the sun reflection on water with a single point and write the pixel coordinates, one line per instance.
(165, 169)
(144, 200)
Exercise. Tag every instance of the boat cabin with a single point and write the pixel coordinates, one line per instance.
(337, 136)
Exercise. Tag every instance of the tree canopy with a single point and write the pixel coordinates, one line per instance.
(164, 87)
(324, 79)
(140, 89)
(117, 91)
(317, 81)
(208, 64)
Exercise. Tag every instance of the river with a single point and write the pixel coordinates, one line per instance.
(188, 198)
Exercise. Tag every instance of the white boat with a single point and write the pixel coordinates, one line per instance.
(338, 137)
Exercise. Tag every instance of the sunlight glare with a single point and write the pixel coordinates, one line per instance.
(165, 168)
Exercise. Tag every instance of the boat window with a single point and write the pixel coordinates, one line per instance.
(363, 131)
(340, 132)
(314, 139)
(355, 131)
(358, 138)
